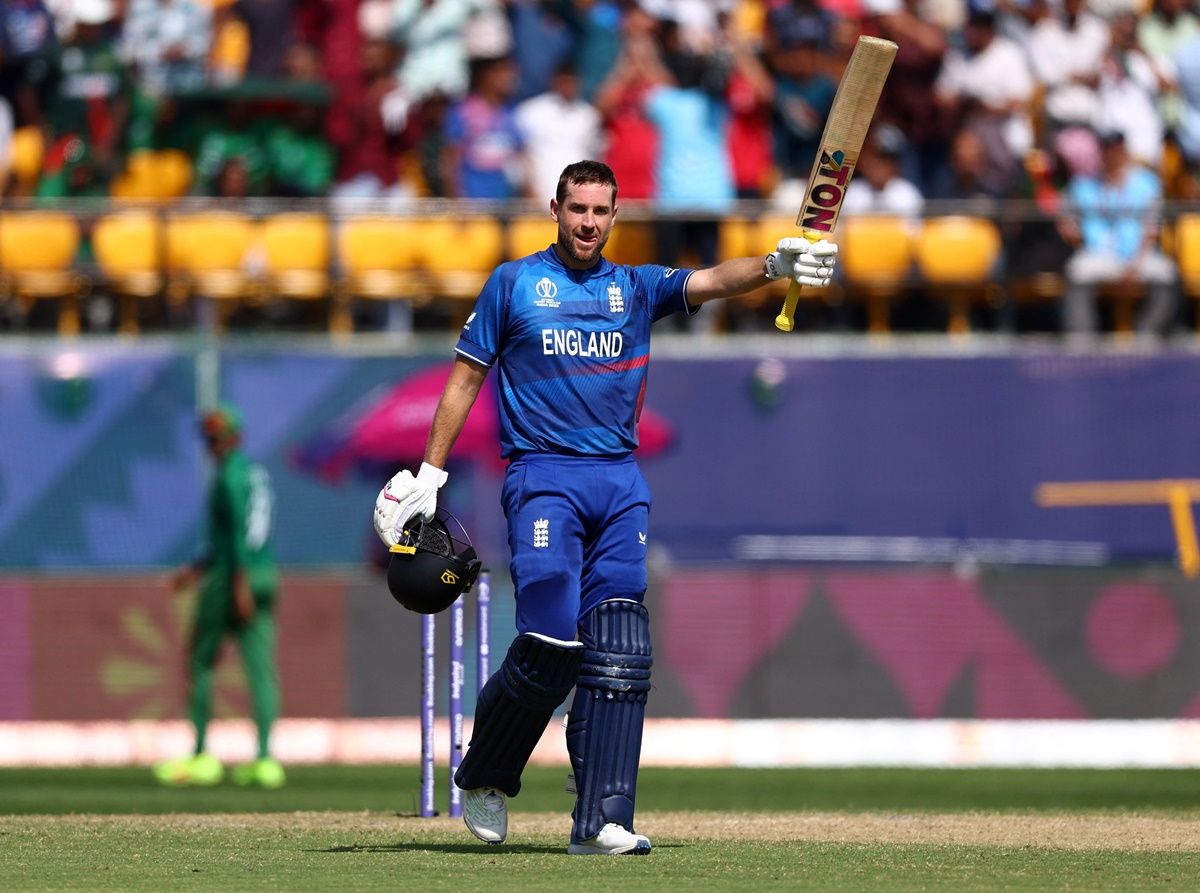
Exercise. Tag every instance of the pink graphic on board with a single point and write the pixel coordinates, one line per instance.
(1133, 629)
(701, 615)
(16, 652)
(929, 629)
(1192, 710)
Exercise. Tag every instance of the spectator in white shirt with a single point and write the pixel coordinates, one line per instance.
(559, 128)
(1128, 93)
(1067, 48)
(440, 37)
(169, 42)
(990, 85)
(877, 186)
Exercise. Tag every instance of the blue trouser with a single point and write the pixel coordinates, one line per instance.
(577, 529)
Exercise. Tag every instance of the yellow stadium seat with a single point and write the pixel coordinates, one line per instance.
(459, 254)
(1187, 255)
(37, 256)
(136, 181)
(530, 233)
(956, 257)
(875, 258)
(631, 242)
(153, 175)
(379, 260)
(296, 251)
(212, 253)
(743, 237)
(129, 253)
(28, 154)
(739, 237)
(174, 171)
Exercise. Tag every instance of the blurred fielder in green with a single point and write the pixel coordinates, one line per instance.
(238, 587)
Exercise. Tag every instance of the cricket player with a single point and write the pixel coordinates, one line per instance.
(238, 588)
(569, 334)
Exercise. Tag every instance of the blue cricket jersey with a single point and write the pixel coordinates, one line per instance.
(572, 348)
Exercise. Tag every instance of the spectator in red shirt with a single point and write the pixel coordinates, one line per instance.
(632, 139)
(750, 95)
(372, 126)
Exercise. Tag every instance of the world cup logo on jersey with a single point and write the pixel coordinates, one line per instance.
(546, 292)
(616, 303)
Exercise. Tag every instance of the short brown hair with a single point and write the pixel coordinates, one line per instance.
(584, 173)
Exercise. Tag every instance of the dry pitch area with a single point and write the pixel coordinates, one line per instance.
(1067, 831)
(1079, 832)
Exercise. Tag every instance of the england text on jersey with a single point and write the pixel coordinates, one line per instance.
(577, 343)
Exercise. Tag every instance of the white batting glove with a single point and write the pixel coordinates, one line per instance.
(405, 497)
(809, 263)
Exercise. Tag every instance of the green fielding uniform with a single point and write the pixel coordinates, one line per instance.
(239, 527)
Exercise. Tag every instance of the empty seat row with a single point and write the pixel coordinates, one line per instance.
(229, 257)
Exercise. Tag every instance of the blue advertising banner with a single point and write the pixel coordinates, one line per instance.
(751, 457)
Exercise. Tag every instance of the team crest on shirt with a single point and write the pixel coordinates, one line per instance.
(546, 292)
(616, 303)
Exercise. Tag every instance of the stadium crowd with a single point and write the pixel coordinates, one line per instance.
(699, 106)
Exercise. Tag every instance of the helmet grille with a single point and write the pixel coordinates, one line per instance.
(433, 537)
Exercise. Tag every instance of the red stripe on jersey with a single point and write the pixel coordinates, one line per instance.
(602, 368)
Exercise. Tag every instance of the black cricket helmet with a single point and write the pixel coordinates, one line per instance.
(433, 564)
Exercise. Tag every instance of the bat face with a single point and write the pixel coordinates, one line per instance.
(845, 131)
(826, 189)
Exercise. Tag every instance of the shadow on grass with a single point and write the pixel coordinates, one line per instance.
(463, 848)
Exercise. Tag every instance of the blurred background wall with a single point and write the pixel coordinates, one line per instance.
(849, 532)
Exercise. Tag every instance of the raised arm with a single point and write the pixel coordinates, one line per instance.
(809, 263)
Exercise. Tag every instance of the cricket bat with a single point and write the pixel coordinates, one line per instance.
(845, 131)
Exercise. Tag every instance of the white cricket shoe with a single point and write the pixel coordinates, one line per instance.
(613, 840)
(485, 812)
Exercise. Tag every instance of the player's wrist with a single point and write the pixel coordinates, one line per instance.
(772, 267)
(431, 475)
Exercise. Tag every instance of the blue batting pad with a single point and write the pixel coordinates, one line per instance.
(604, 731)
(514, 708)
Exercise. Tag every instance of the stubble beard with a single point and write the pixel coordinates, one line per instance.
(567, 242)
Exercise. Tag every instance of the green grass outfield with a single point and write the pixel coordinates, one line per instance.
(394, 789)
(350, 828)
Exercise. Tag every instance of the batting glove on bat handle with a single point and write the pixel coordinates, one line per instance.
(403, 498)
(809, 263)
(806, 261)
